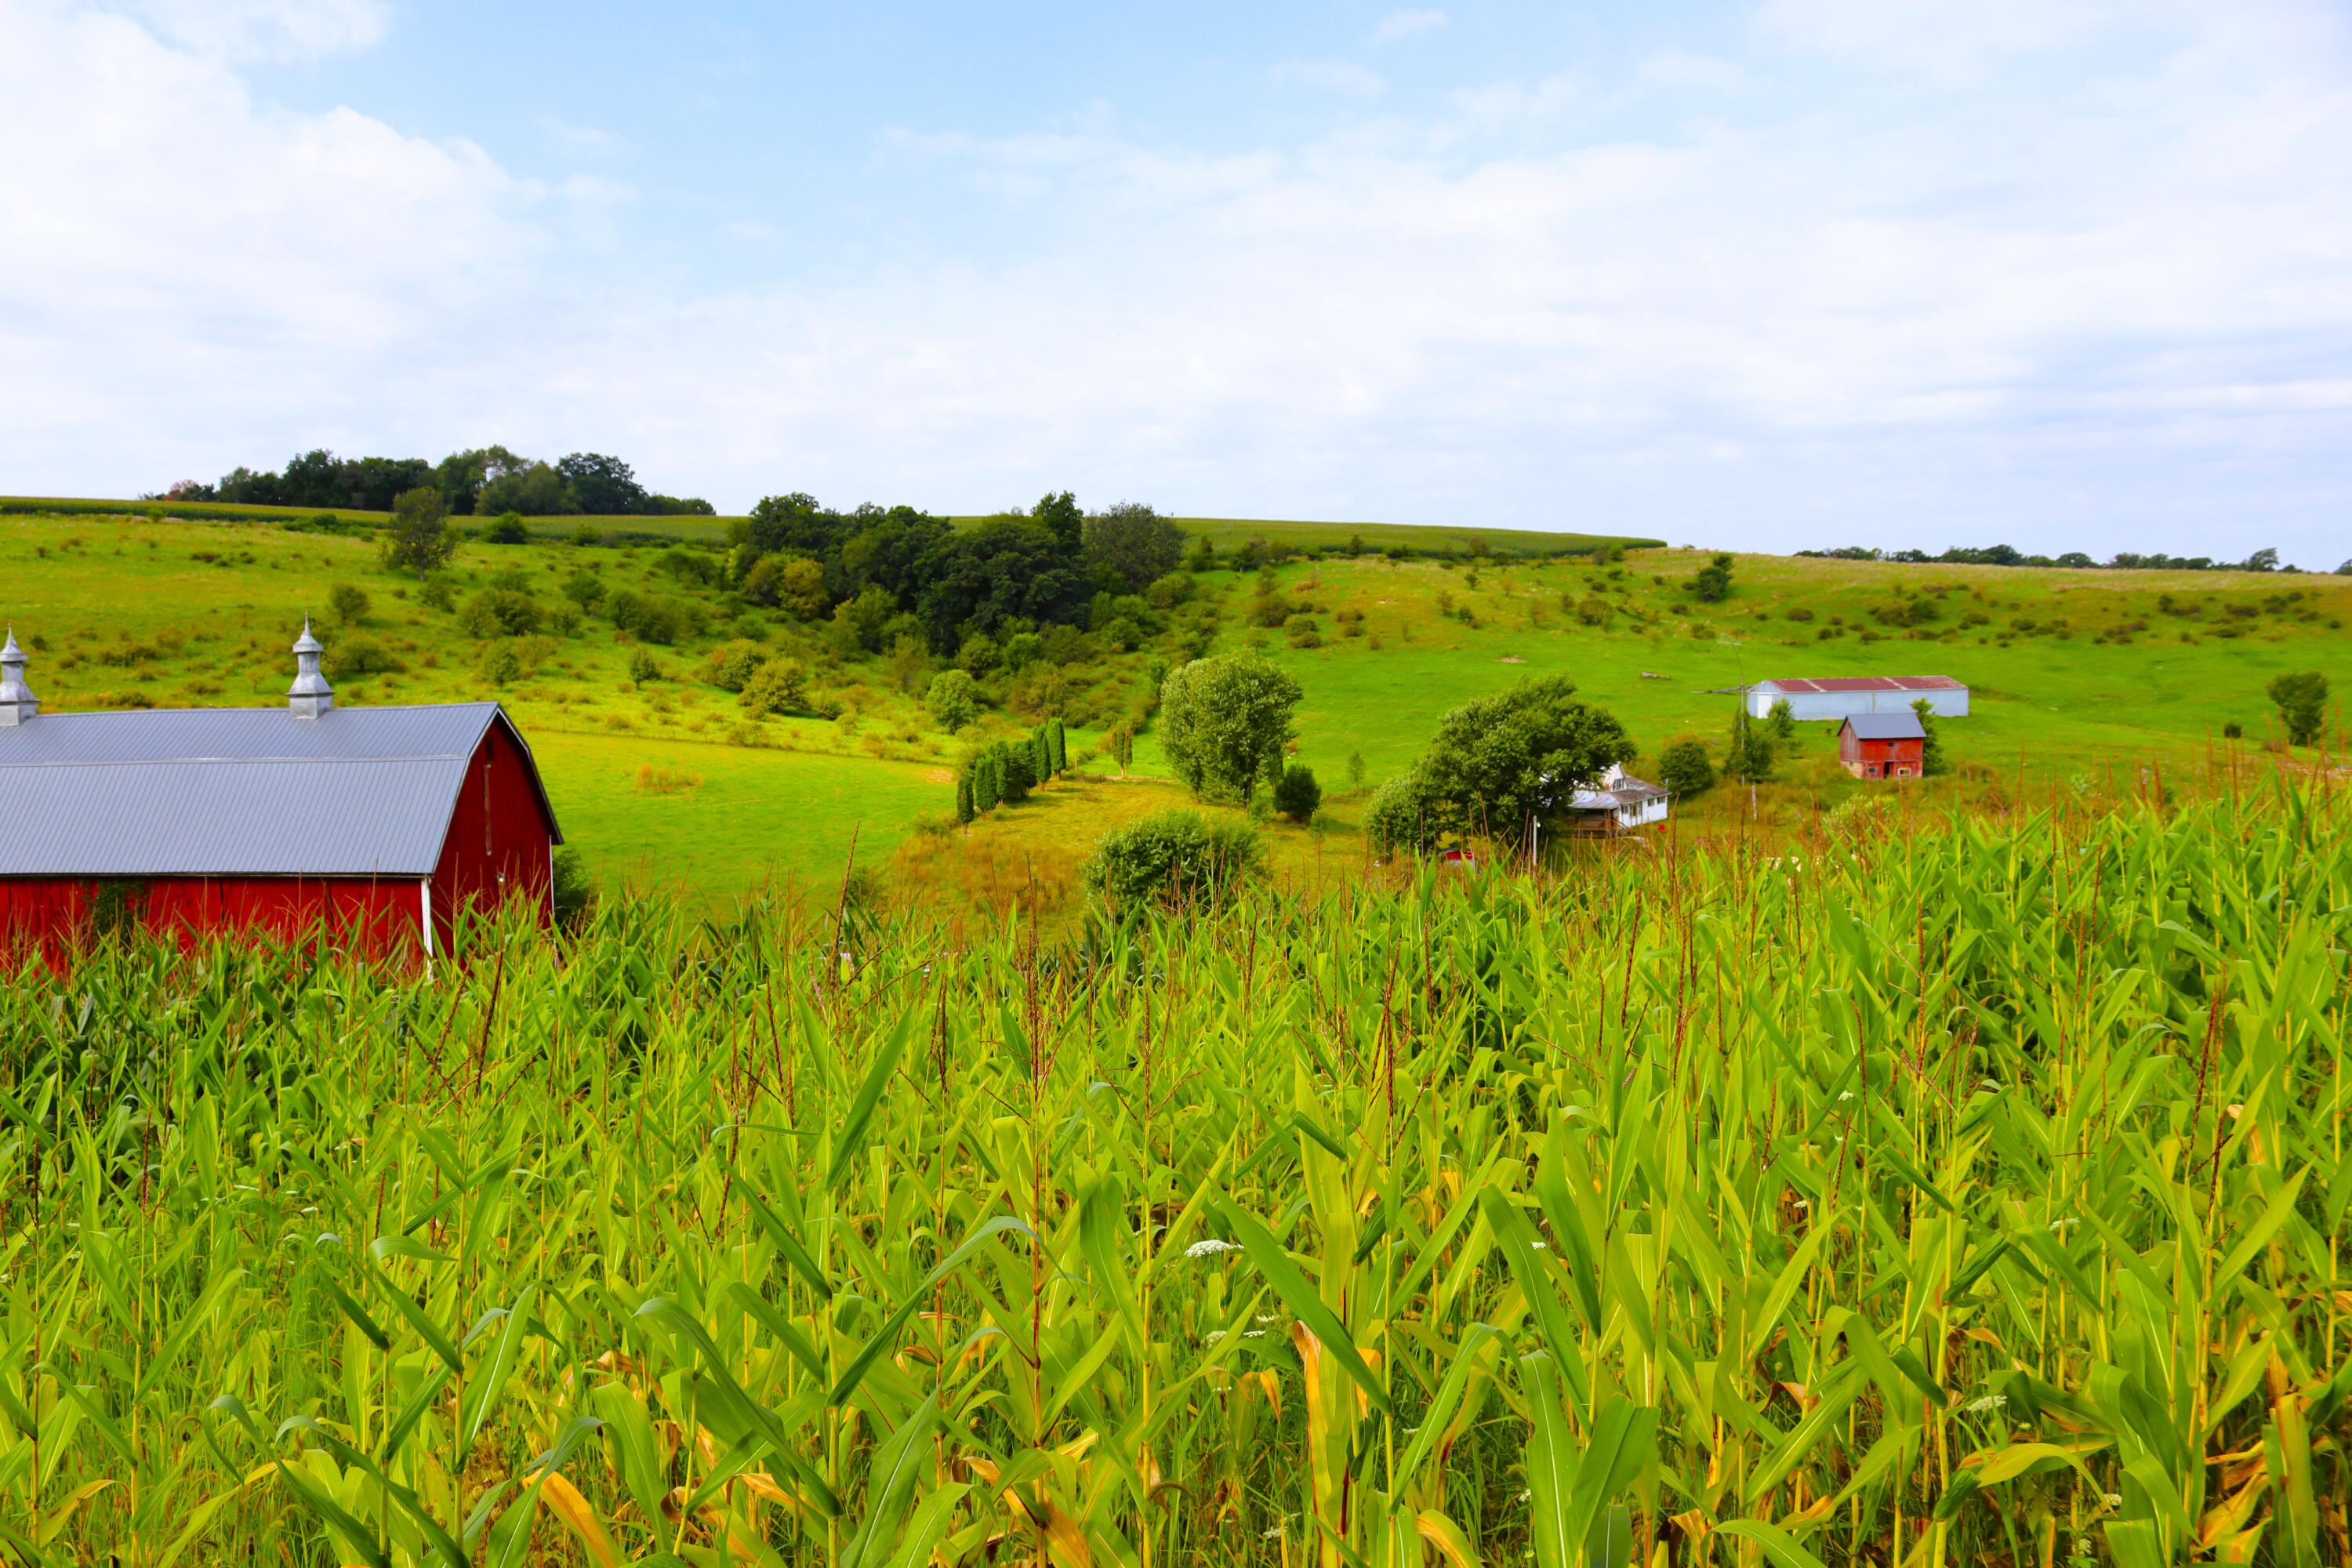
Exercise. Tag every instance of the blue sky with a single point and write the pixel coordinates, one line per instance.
(2067, 273)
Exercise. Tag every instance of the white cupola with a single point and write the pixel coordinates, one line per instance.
(309, 697)
(18, 703)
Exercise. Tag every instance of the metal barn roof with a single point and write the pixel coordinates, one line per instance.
(1903, 726)
(250, 792)
(1865, 683)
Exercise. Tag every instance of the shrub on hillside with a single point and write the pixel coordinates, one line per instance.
(2302, 701)
(1684, 767)
(642, 666)
(954, 699)
(584, 589)
(1176, 859)
(357, 656)
(348, 602)
(778, 685)
(1397, 821)
(730, 666)
(498, 663)
(1712, 583)
(507, 529)
(1297, 794)
(690, 566)
(501, 613)
(652, 619)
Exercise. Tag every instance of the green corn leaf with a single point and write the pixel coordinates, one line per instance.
(490, 1381)
(890, 1486)
(789, 1245)
(855, 1374)
(851, 1143)
(1302, 1298)
(1778, 1546)
(1517, 1238)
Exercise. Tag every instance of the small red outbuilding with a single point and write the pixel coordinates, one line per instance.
(1883, 745)
(374, 823)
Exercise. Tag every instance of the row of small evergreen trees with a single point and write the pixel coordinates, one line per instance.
(1006, 771)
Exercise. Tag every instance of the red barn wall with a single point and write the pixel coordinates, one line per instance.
(497, 845)
(379, 917)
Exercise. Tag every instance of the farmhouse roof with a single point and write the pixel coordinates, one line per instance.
(246, 792)
(1903, 726)
(1627, 791)
(1863, 683)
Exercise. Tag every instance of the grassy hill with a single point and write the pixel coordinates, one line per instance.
(2081, 678)
(1225, 532)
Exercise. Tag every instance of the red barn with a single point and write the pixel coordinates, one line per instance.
(377, 823)
(1882, 745)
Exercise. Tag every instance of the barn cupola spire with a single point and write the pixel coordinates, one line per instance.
(309, 697)
(17, 702)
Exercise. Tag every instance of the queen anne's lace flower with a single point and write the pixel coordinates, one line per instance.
(1211, 1247)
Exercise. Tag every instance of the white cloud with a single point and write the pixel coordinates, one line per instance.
(1342, 77)
(579, 140)
(1408, 24)
(267, 31)
(2114, 313)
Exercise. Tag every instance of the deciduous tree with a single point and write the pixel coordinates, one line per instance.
(421, 540)
(1224, 721)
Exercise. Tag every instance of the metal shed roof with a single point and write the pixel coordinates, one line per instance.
(1865, 683)
(249, 792)
(1887, 726)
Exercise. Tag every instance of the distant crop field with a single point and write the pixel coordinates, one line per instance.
(1225, 532)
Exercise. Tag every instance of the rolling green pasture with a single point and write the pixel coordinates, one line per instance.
(2077, 675)
(2095, 698)
(120, 612)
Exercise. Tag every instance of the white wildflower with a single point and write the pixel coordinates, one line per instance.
(1269, 1317)
(2113, 1501)
(1988, 1403)
(1254, 1334)
(1211, 1247)
(1845, 1096)
(1217, 1334)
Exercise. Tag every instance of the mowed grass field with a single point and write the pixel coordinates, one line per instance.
(2081, 678)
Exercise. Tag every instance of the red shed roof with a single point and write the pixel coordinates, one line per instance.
(1867, 683)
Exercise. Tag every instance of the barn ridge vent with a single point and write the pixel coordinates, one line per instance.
(309, 697)
(17, 702)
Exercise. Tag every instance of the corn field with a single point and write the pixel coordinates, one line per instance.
(1971, 1195)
